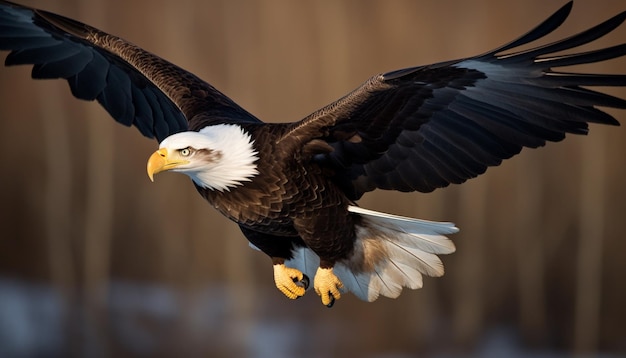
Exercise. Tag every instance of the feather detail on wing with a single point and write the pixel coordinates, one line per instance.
(422, 128)
(134, 86)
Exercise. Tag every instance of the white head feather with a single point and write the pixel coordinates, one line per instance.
(224, 156)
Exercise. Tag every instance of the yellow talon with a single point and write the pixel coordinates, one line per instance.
(327, 286)
(286, 278)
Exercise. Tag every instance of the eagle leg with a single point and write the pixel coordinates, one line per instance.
(287, 281)
(327, 286)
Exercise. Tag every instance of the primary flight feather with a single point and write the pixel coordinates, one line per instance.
(292, 187)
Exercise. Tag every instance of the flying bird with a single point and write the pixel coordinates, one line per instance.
(293, 187)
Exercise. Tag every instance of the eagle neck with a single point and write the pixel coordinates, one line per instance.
(235, 162)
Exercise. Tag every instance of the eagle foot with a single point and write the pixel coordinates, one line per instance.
(327, 286)
(291, 282)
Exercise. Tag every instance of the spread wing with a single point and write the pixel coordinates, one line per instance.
(134, 86)
(425, 127)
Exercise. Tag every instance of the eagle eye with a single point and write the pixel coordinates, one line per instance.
(185, 152)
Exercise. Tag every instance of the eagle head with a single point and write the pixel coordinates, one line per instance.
(217, 157)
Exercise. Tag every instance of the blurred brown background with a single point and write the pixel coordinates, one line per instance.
(97, 261)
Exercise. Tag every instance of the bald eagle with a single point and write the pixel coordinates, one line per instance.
(292, 187)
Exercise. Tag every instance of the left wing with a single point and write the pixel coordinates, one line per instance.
(425, 127)
(134, 86)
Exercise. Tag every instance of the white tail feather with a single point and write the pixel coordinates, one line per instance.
(392, 252)
(428, 233)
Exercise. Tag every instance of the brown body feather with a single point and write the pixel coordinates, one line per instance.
(292, 198)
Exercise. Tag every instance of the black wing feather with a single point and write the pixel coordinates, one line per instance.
(547, 26)
(425, 127)
(92, 80)
(134, 86)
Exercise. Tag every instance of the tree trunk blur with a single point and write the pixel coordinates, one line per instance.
(590, 244)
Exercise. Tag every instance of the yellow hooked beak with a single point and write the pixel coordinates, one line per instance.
(160, 161)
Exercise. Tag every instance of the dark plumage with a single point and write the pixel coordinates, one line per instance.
(292, 187)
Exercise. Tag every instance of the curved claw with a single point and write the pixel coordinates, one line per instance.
(304, 282)
(327, 286)
(332, 302)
